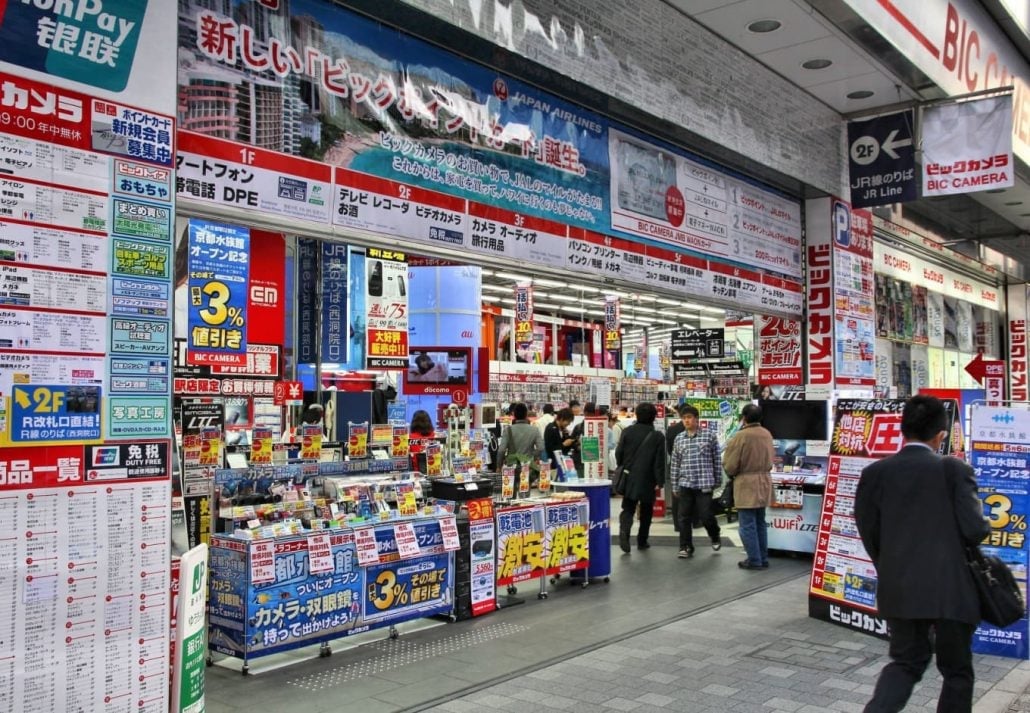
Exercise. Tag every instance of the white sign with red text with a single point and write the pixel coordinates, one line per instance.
(819, 326)
(1018, 358)
(890, 261)
(239, 176)
(967, 146)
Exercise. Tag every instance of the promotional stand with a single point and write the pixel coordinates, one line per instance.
(598, 493)
(270, 596)
(566, 536)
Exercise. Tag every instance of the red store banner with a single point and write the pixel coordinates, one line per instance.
(779, 351)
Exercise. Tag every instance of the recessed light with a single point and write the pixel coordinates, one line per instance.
(816, 64)
(1013, 202)
(995, 190)
(860, 94)
(1024, 215)
(763, 26)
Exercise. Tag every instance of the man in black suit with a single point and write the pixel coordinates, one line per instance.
(916, 513)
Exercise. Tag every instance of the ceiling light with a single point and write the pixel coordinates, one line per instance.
(1014, 203)
(860, 94)
(549, 283)
(513, 276)
(484, 271)
(497, 288)
(816, 64)
(1024, 215)
(763, 26)
(666, 301)
(546, 305)
(587, 288)
(995, 190)
(564, 298)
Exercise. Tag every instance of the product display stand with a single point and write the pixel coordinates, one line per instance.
(598, 493)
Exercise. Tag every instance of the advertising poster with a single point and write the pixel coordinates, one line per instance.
(334, 303)
(52, 414)
(386, 315)
(190, 662)
(382, 103)
(1000, 453)
(779, 351)
(481, 549)
(523, 315)
(407, 589)
(612, 323)
(520, 544)
(308, 254)
(661, 194)
(227, 606)
(202, 422)
(843, 584)
(566, 536)
(69, 584)
(219, 269)
(854, 286)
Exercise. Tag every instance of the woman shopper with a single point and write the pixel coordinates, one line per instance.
(641, 453)
(748, 460)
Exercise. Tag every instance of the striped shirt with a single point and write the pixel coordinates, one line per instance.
(695, 461)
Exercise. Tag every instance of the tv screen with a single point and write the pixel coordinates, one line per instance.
(437, 365)
(796, 420)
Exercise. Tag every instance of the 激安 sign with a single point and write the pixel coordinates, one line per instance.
(882, 161)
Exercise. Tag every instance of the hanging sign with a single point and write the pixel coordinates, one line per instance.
(690, 344)
(967, 146)
(882, 160)
(523, 315)
(612, 316)
(779, 351)
(219, 258)
(386, 300)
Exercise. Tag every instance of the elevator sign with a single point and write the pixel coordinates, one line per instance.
(881, 161)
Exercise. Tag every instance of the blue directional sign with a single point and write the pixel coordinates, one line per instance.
(882, 160)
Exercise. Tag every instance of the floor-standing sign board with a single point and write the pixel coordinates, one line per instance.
(1000, 453)
(86, 151)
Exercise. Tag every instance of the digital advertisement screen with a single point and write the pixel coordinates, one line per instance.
(439, 365)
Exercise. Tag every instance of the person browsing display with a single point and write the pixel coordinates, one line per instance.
(557, 441)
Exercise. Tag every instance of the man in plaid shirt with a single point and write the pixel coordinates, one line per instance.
(696, 470)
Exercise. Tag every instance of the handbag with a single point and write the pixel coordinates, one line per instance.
(1001, 602)
(621, 479)
(726, 496)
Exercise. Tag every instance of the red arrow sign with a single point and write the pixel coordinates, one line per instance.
(977, 368)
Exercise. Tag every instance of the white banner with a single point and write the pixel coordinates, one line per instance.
(967, 146)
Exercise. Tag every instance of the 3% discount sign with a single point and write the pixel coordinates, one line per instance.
(1008, 528)
(218, 323)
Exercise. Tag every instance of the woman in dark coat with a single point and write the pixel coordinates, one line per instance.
(641, 453)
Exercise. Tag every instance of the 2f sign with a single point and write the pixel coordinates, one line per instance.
(841, 224)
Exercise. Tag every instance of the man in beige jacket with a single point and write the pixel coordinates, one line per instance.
(748, 460)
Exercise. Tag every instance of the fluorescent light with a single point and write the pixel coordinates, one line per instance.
(546, 305)
(549, 283)
(484, 271)
(564, 298)
(667, 301)
(496, 288)
(513, 276)
(587, 288)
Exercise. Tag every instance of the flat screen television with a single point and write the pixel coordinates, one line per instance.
(437, 369)
(796, 420)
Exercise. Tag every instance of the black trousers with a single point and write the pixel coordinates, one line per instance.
(629, 506)
(911, 647)
(693, 505)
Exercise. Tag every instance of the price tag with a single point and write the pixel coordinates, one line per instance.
(262, 562)
(365, 542)
(407, 543)
(449, 530)
(320, 554)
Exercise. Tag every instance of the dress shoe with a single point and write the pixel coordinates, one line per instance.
(716, 545)
(643, 546)
(744, 564)
(624, 542)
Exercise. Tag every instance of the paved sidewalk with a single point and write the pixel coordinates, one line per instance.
(758, 653)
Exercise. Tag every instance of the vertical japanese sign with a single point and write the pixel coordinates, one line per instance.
(1019, 359)
(523, 315)
(843, 584)
(188, 671)
(86, 140)
(1000, 440)
(334, 303)
(386, 317)
(307, 300)
(779, 351)
(483, 595)
(612, 318)
(219, 271)
(854, 319)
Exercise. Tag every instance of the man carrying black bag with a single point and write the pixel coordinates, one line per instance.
(916, 513)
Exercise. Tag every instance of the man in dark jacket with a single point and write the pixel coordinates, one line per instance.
(641, 452)
(557, 441)
(916, 512)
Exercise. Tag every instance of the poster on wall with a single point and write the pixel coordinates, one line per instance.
(386, 309)
(999, 455)
(381, 103)
(335, 338)
(219, 272)
(778, 351)
(659, 193)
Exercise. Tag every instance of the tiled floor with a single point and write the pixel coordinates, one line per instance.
(666, 634)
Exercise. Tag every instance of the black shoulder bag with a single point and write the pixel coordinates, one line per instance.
(621, 479)
(1001, 602)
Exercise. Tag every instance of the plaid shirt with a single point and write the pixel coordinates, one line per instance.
(695, 461)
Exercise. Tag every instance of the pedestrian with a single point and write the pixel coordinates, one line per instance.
(916, 513)
(520, 439)
(696, 471)
(671, 432)
(748, 460)
(545, 418)
(641, 453)
(557, 441)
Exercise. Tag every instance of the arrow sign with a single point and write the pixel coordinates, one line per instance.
(977, 368)
(881, 160)
(892, 142)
